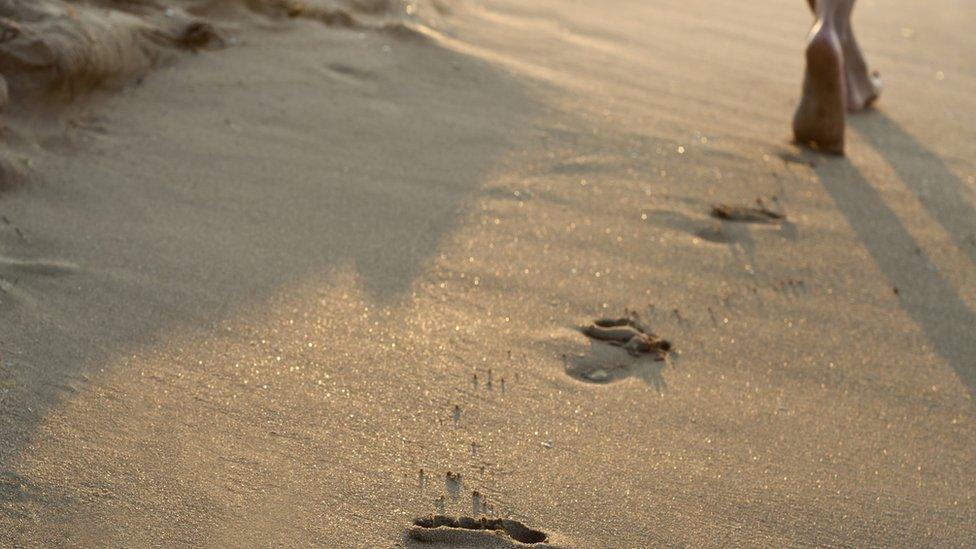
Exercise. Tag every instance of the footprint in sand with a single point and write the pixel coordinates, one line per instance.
(729, 229)
(479, 504)
(476, 532)
(629, 333)
(730, 226)
(748, 214)
(619, 347)
(452, 484)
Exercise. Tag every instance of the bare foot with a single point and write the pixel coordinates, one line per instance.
(863, 87)
(819, 118)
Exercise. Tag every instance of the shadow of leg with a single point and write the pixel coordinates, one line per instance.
(927, 298)
(936, 187)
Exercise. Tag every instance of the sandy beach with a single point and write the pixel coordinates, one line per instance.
(298, 274)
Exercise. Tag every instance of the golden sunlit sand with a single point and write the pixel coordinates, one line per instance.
(321, 274)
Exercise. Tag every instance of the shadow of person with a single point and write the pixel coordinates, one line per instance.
(922, 171)
(925, 295)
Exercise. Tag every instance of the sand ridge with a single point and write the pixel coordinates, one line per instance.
(64, 48)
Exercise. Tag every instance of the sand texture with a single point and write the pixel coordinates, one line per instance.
(301, 274)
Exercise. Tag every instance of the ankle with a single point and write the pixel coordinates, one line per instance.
(836, 12)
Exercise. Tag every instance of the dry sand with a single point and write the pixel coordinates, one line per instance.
(271, 294)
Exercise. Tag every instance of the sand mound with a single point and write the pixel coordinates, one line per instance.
(58, 48)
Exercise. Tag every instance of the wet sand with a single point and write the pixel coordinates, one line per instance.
(273, 293)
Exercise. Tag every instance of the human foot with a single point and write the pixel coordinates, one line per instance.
(863, 86)
(819, 118)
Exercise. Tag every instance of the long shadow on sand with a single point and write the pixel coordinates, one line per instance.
(927, 175)
(925, 295)
(185, 211)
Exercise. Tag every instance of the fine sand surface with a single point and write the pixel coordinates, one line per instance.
(273, 292)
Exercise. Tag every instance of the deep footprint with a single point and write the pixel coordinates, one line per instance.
(630, 334)
(747, 214)
(441, 528)
(608, 363)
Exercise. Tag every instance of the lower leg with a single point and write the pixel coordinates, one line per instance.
(819, 118)
(863, 87)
